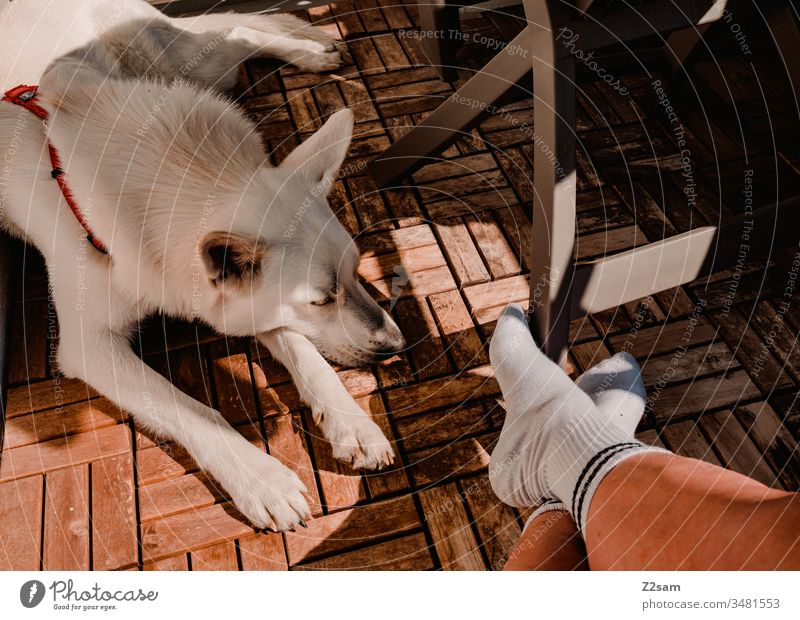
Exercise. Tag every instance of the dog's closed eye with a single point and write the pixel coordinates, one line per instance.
(328, 299)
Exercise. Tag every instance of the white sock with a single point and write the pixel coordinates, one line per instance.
(555, 443)
(616, 387)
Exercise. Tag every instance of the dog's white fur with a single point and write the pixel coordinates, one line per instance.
(174, 180)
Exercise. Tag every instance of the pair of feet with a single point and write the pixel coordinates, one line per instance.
(560, 438)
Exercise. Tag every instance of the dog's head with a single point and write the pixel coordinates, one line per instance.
(289, 263)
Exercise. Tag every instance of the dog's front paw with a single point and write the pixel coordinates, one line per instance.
(354, 438)
(367, 449)
(267, 492)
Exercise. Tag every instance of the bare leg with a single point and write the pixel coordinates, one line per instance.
(549, 542)
(648, 510)
(666, 512)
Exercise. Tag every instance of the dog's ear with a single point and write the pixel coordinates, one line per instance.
(232, 258)
(319, 158)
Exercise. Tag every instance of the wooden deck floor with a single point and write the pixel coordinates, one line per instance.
(81, 487)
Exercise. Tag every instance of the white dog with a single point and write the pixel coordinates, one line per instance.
(173, 180)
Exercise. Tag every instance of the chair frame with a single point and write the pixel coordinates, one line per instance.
(560, 288)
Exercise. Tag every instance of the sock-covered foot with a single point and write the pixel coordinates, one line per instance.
(615, 385)
(555, 443)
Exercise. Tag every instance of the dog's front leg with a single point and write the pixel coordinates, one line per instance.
(354, 437)
(263, 489)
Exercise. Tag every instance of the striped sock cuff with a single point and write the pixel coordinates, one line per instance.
(548, 505)
(593, 473)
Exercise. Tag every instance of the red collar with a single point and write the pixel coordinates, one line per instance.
(25, 96)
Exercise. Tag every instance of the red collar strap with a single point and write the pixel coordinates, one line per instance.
(25, 96)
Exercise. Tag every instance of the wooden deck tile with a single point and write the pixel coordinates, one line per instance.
(682, 400)
(400, 240)
(778, 446)
(234, 385)
(359, 100)
(662, 339)
(497, 294)
(354, 527)
(779, 336)
(496, 524)
(156, 463)
(438, 393)
(395, 14)
(175, 495)
(516, 226)
(685, 438)
(48, 394)
(497, 252)
(425, 346)
(737, 450)
(368, 201)
(29, 337)
(66, 519)
(463, 255)
(57, 453)
(263, 551)
(340, 486)
(694, 364)
(750, 350)
(460, 458)
(481, 200)
(589, 354)
(114, 536)
(407, 553)
(176, 563)
(393, 478)
(456, 326)
(288, 442)
(450, 528)
(187, 369)
(39, 427)
(221, 556)
(444, 427)
(21, 513)
(191, 530)
(454, 188)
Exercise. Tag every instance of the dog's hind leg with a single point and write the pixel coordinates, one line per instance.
(354, 437)
(169, 50)
(263, 489)
(284, 37)
(305, 54)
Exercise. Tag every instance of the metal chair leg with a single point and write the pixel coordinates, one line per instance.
(439, 24)
(554, 183)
